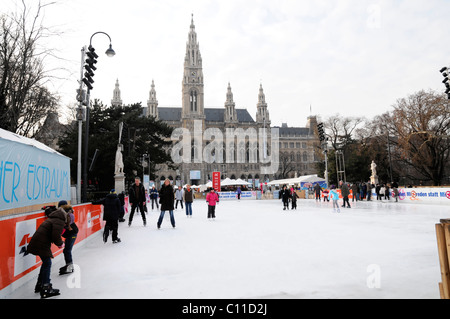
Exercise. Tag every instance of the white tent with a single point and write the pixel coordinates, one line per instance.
(297, 180)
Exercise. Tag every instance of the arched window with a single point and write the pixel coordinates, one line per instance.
(193, 100)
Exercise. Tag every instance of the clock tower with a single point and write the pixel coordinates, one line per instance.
(192, 85)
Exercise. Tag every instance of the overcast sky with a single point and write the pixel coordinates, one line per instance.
(352, 57)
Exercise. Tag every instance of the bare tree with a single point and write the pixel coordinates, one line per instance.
(339, 130)
(419, 128)
(25, 100)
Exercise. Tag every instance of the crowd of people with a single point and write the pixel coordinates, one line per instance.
(355, 191)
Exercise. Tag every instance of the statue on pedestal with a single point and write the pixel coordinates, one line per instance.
(374, 177)
(119, 175)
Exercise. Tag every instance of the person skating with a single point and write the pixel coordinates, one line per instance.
(166, 199)
(137, 199)
(285, 195)
(334, 196)
(294, 200)
(154, 197)
(70, 234)
(179, 197)
(317, 190)
(111, 214)
(345, 192)
(212, 199)
(188, 197)
(48, 233)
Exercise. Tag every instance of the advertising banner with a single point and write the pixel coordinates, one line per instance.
(16, 233)
(31, 176)
(216, 181)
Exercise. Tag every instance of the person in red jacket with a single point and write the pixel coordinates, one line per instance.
(212, 199)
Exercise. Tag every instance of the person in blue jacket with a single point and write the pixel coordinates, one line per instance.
(334, 196)
(154, 197)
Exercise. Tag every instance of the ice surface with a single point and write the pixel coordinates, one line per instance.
(254, 249)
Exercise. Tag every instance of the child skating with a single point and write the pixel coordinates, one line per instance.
(334, 196)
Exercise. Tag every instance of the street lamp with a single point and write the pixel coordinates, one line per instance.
(84, 99)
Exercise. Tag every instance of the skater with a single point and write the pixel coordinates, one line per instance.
(285, 195)
(395, 189)
(137, 200)
(334, 196)
(212, 199)
(111, 214)
(154, 197)
(325, 193)
(239, 192)
(344, 192)
(188, 197)
(166, 199)
(122, 206)
(40, 245)
(70, 234)
(317, 190)
(294, 200)
(387, 192)
(382, 192)
(369, 191)
(179, 197)
(355, 192)
(377, 191)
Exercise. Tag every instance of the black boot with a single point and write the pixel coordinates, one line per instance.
(67, 269)
(48, 291)
(105, 234)
(38, 286)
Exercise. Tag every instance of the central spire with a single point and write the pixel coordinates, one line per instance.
(192, 104)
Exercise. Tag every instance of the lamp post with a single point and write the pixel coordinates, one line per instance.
(83, 98)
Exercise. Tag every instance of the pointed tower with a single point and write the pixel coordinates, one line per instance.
(152, 103)
(116, 100)
(262, 115)
(192, 85)
(230, 115)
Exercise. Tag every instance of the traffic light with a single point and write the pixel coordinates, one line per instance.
(321, 132)
(90, 67)
(445, 73)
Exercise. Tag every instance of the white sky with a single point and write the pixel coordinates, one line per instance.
(353, 57)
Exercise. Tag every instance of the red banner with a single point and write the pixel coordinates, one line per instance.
(16, 233)
(216, 181)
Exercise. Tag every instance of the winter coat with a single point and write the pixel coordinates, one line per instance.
(345, 191)
(333, 195)
(166, 197)
(285, 195)
(111, 207)
(71, 229)
(212, 198)
(188, 196)
(317, 189)
(48, 232)
(133, 196)
(153, 193)
(179, 194)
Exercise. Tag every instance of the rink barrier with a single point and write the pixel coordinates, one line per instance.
(16, 232)
(443, 243)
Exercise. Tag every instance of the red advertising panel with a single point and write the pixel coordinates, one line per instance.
(216, 181)
(16, 233)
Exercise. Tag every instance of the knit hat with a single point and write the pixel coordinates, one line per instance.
(113, 191)
(62, 203)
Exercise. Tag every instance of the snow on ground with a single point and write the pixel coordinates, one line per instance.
(254, 249)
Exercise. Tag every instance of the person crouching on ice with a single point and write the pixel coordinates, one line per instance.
(212, 198)
(40, 245)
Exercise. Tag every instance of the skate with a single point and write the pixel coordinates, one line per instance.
(115, 241)
(38, 286)
(48, 291)
(67, 269)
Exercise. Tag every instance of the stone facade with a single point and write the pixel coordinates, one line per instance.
(238, 157)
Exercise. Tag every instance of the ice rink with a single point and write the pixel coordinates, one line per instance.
(254, 249)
